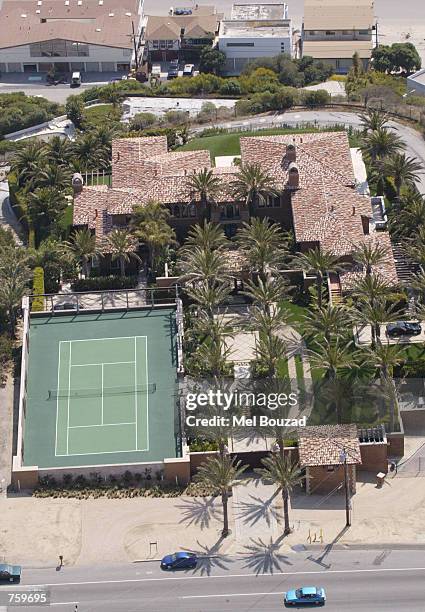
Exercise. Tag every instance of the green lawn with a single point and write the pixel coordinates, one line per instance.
(228, 144)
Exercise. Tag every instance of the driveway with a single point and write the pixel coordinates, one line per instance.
(363, 336)
(8, 218)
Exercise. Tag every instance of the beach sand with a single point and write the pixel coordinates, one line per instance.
(396, 22)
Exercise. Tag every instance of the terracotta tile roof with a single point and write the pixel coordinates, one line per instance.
(169, 27)
(322, 445)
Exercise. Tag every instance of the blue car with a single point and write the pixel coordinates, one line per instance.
(10, 573)
(180, 560)
(314, 596)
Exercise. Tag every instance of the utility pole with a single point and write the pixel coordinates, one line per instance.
(347, 488)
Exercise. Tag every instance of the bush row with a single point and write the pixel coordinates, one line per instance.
(38, 289)
(284, 98)
(101, 283)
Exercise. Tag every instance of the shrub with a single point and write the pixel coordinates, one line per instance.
(141, 121)
(38, 289)
(101, 283)
(316, 98)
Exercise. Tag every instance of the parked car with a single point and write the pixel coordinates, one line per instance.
(403, 328)
(76, 79)
(179, 560)
(67, 306)
(314, 596)
(188, 70)
(156, 69)
(173, 70)
(10, 573)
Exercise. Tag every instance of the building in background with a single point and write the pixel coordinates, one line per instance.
(254, 30)
(70, 35)
(181, 34)
(333, 30)
(416, 83)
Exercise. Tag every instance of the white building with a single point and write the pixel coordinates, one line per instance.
(255, 30)
(416, 83)
(83, 35)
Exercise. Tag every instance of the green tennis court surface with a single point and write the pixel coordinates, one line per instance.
(101, 389)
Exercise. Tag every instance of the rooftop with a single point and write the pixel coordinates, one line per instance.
(101, 22)
(418, 77)
(263, 11)
(257, 29)
(169, 27)
(338, 14)
(324, 445)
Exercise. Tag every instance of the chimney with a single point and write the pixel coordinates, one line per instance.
(77, 182)
(354, 210)
(291, 153)
(293, 176)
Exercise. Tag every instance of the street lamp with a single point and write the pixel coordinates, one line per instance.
(343, 457)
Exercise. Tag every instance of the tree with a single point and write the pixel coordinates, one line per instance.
(405, 57)
(74, 109)
(206, 236)
(203, 265)
(83, 247)
(150, 225)
(51, 256)
(373, 120)
(263, 244)
(221, 473)
(285, 475)
(270, 350)
(253, 185)
(405, 170)
(211, 60)
(380, 143)
(141, 121)
(59, 151)
(381, 58)
(86, 153)
(266, 293)
(319, 262)
(28, 163)
(44, 207)
(15, 276)
(369, 255)
(56, 176)
(206, 186)
(375, 313)
(329, 322)
(122, 245)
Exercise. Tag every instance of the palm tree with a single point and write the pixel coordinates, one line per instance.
(150, 225)
(329, 321)
(253, 185)
(370, 288)
(263, 244)
(319, 262)
(373, 120)
(369, 255)
(59, 151)
(49, 256)
(285, 475)
(381, 143)
(209, 296)
(83, 247)
(411, 217)
(405, 170)
(206, 186)
(86, 154)
(333, 357)
(266, 293)
(222, 473)
(270, 350)
(375, 313)
(386, 357)
(45, 205)
(208, 236)
(203, 265)
(27, 164)
(15, 276)
(54, 175)
(121, 243)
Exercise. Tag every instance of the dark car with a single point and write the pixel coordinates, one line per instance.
(179, 560)
(10, 573)
(403, 328)
(305, 596)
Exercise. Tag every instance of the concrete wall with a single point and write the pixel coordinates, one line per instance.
(374, 458)
(395, 444)
(413, 421)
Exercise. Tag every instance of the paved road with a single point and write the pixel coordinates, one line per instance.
(415, 143)
(382, 580)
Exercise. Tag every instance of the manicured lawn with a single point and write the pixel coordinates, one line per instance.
(228, 144)
(94, 113)
(282, 369)
(296, 312)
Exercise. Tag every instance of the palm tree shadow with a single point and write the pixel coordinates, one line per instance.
(199, 511)
(210, 558)
(264, 558)
(257, 510)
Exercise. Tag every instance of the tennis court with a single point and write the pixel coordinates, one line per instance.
(101, 389)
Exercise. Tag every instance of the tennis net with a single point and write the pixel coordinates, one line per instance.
(99, 392)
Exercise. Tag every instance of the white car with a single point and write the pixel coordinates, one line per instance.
(156, 69)
(188, 70)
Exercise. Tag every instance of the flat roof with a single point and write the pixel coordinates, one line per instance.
(337, 49)
(255, 29)
(260, 11)
(418, 77)
(338, 15)
(100, 22)
(101, 389)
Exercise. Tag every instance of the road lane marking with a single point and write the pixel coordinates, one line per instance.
(229, 595)
(227, 577)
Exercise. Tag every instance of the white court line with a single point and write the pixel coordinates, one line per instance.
(69, 394)
(101, 417)
(147, 394)
(135, 385)
(102, 363)
(131, 450)
(101, 339)
(57, 401)
(102, 425)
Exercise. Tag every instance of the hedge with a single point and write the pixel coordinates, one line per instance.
(38, 290)
(15, 199)
(100, 283)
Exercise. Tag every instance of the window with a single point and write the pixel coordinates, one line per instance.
(185, 212)
(59, 48)
(240, 44)
(345, 32)
(329, 33)
(276, 202)
(170, 44)
(127, 52)
(192, 210)
(155, 44)
(162, 44)
(312, 32)
(330, 468)
(363, 32)
(176, 211)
